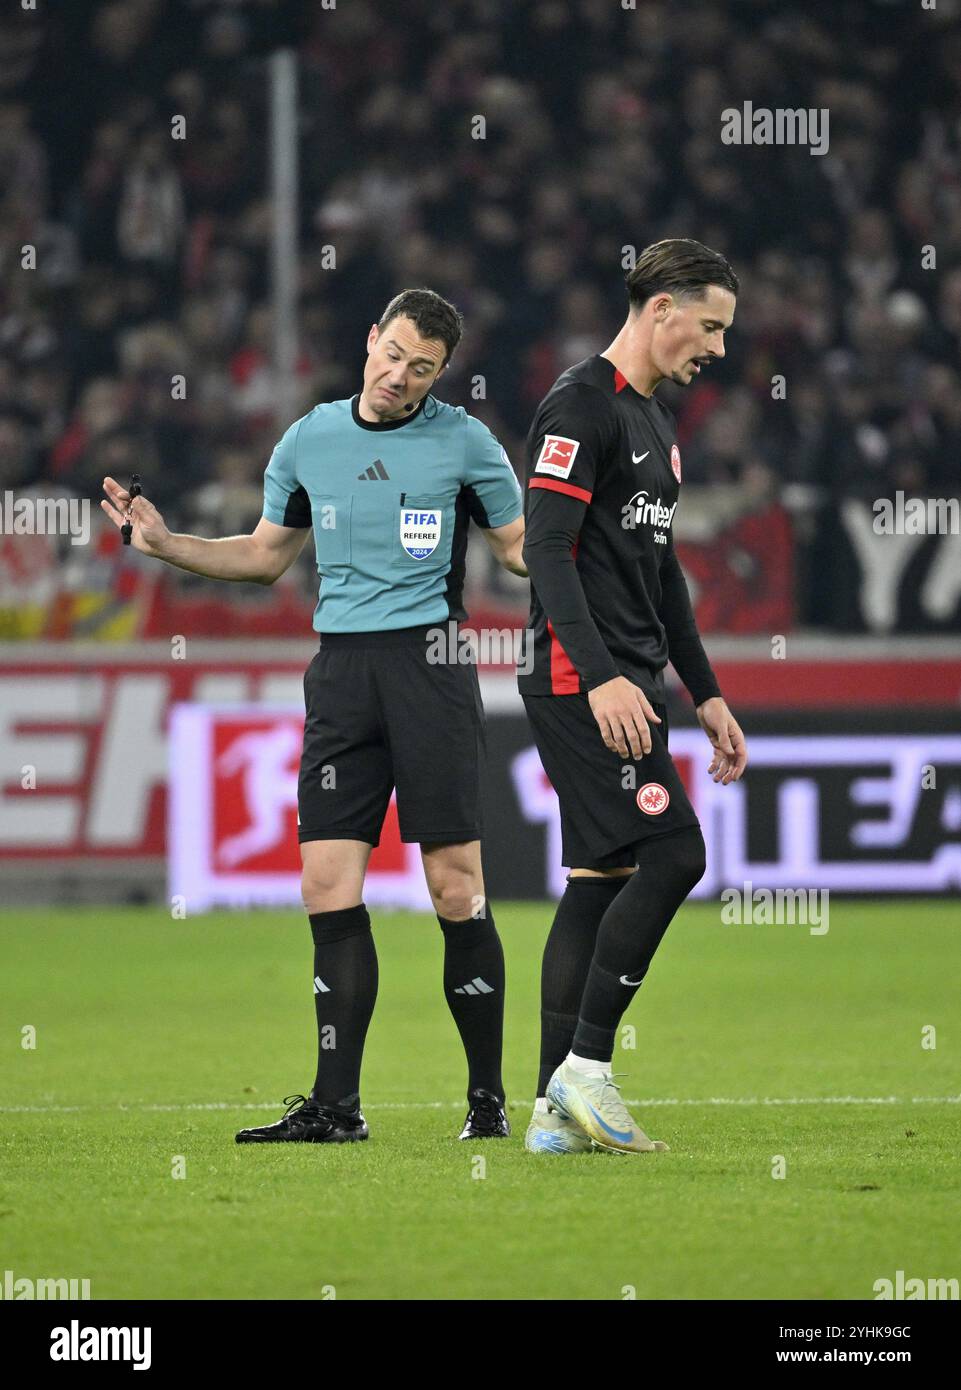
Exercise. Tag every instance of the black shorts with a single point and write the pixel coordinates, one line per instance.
(609, 804)
(380, 716)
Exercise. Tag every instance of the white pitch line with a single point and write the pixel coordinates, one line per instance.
(649, 1103)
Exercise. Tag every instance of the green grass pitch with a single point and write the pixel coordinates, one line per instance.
(158, 1038)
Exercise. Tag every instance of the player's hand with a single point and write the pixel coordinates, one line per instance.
(149, 533)
(727, 740)
(623, 713)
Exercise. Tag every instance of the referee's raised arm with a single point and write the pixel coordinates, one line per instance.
(260, 558)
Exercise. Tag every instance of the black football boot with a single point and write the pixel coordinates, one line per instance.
(485, 1118)
(306, 1122)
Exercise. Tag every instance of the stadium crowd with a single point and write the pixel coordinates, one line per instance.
(601, 132)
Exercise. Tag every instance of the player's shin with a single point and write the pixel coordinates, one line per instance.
(568, 953)
(630, 933)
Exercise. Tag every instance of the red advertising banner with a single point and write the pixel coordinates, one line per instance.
(865, 813)
(232, 825)
(84, 731)
(83, 743)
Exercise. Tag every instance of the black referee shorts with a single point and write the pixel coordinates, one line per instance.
(608, 804)
(380, 716)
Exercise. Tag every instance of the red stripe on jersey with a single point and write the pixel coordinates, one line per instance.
(620, 381)
(580, 493)
(564, 679)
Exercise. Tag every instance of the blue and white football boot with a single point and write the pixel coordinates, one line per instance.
(549, 1132)
(594, 1103)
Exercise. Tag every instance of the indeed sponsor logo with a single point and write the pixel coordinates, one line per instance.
(642, 511)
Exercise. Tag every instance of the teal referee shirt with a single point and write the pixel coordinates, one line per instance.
(390, 505)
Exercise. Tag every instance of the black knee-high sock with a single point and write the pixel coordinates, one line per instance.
(568, 953)
(474, 989)
(345, 988)
(630, 932)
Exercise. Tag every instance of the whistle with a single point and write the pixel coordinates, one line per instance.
(135, 490)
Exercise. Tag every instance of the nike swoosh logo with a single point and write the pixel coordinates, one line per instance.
(625, 1136)
(632, 983)
(638, 458)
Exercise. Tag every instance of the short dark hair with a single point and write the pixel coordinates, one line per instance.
(680, 266)
(431, 315)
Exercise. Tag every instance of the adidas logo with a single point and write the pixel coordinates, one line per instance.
(376, 472)
(476, 986)
(319, 986)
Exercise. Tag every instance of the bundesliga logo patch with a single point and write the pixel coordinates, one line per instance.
(676, 462)
(420, 530)
(557, 456)
(653, 798)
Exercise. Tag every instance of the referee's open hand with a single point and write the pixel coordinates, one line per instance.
(148, 532)
(623, 713)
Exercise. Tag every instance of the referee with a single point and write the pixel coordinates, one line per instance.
(609, 608)
(389, 481)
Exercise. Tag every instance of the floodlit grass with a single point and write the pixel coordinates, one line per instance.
(158, 1039)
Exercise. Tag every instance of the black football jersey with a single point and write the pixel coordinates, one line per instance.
(608, 596)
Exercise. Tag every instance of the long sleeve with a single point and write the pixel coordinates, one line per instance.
(567, 441)
(684, 645)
